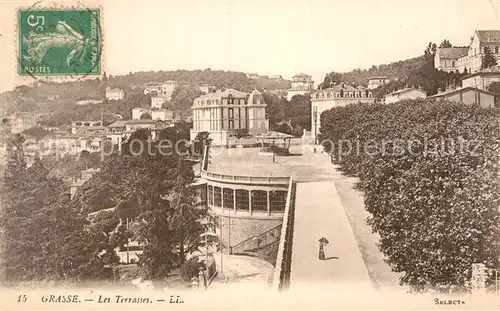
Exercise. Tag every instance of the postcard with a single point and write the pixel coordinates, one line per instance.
(249, 155)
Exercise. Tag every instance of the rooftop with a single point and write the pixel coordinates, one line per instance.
(378, 78)
(404, 91)
(488, 35)
(452, 91)
(454, 52)
(301, 75)
(345, 87)
(488, 71)
(247, 162)
(223, 94)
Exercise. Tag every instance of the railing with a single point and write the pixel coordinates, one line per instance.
(250, 179)
(238, 178)
(257, 241)
(281, 278)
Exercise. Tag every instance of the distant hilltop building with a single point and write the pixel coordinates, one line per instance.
(375, 82)
(482, 79)
(155, 114)
(338, 95)
(114, 94)
(404, 94)
(276, 78)
(163, 89)
(302, 84)
(468, 58)
(87, 127)
(157, 102)
(223, 112)
(21, 121)
(253, 75)
(206, 88)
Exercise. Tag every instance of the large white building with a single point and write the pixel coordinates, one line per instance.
(222, 112)
(163, 89)
(375, 82)
(470, 57)
(337, 96)
(114, 94)
(302, 84)
(157, 102)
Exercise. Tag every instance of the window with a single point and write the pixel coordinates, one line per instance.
(496, 49)
(228, 198)
(203, 195)
(231, 124)
(259, 200)
(277, 200)
(242, 200)
(231, 113)
(217, 197)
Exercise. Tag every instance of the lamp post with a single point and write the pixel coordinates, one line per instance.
(315, 117)
(496, 285)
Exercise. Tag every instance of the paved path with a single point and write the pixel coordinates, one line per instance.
(241, 272)
(319, 213)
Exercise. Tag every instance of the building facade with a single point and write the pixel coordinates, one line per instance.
(163, 89)
(482, 79)
(375, 82)
(407, 93)
(302, 84)
(21, 121)
(157, 102)
(469, 58)
(223, 112)
(87, 127)
(337, 96)
(245, 206)
(162, 114)
(114, 94)
(469, 96)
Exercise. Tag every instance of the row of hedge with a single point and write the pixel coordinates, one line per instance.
(430, 176)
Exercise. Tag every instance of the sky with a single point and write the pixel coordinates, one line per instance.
(270, 37)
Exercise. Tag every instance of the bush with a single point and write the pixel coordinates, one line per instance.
(190, 269)
(430, 183)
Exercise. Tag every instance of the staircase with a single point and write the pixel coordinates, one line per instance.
(263, 245)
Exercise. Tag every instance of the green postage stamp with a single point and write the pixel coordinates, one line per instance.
(59, 42)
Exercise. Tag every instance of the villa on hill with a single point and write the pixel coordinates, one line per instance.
(470, 57)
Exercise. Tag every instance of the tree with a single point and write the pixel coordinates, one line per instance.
(36, 132)
(435, 204)
(182, 99)
(146, 116)
(488, 60)
(331, 79)
(445, 44)
(152, 183)
(301, 111)
(201, 140)
(44, 239)
(240, 133)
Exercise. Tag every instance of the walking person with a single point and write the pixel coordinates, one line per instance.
(322, 242)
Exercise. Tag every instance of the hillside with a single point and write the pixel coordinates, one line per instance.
(413, 72)
(59, 100)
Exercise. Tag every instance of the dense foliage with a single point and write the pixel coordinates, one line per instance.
(429, 172)
(150, 185)
(44, 239)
